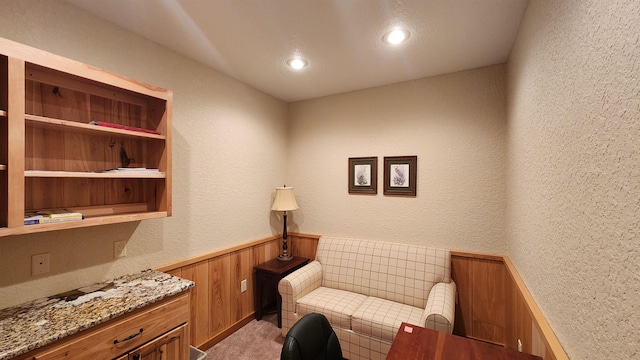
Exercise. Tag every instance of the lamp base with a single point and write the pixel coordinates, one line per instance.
(285, 257)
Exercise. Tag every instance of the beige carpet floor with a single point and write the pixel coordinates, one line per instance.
(258, 340)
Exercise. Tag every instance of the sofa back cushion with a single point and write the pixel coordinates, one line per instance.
(398, 272)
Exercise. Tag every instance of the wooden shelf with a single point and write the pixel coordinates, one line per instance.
(94, 175)
(76, 126)
(99, 220)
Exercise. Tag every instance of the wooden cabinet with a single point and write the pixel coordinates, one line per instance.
(63, 124)
(159, 331)
(167, 347)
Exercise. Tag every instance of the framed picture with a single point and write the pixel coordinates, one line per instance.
(363, 175)
(400, 175)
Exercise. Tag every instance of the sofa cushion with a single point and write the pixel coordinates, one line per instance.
(381, 318)
(336, 305)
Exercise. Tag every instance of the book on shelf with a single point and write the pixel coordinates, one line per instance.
(50, 216)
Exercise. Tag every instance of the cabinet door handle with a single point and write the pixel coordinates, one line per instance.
(132, 336)
(136, 357)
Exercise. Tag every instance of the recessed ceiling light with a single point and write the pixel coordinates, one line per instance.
(297, 63)
(396, 36)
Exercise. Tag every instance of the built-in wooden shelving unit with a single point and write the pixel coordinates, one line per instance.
(70, 130)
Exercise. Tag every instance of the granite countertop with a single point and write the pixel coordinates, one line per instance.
(32, 325)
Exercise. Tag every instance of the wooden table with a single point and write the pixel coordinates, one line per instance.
(268, 275)
(418, 343)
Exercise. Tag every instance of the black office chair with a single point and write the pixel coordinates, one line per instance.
(311, 338)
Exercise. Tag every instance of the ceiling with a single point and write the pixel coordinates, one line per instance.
(251, 40)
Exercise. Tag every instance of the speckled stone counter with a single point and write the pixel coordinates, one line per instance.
(32, 325)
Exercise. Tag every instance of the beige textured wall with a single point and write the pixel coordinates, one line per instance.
(229, 145)
(455, 124)
(574, 171)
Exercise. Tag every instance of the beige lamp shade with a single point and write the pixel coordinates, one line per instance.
(285, 199)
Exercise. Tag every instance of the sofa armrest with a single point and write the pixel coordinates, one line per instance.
(294, 286)
(439, 314)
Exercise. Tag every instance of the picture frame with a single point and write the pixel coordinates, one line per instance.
(363, 175)
(400, 175)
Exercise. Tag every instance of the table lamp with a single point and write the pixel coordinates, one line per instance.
(285, 200)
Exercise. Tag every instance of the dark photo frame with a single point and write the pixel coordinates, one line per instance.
(363, 175)
(400, 175)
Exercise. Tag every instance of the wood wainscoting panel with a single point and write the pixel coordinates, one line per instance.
(220, 294)
(218, 305)
(303, 245)
(461, 275)
(482, 296)
(241, 269)
(266, 251)
(492, 303)
(199, 324)
(530, 325)
(489, 300)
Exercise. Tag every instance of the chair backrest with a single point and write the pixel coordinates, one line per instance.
(311, 338)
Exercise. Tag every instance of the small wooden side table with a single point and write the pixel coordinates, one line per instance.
(268, 275)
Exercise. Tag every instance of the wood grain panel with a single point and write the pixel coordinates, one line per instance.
(33, 98)
(163, 126)
(219, 294)
(175, 272)
(39, 197)
(242, 269)
(304, 245)
(44, 149)
(495, 306)
(170, 346)
(155, 115)
(227, 307)
(259, 255)
(58, 102)
(533, 326)
(74, 198)
(462, 276)
(200, 307)
(266, 251)
(521, 323)
(128, 190)
(51, 69)
(489, 300)
(78, 153)
(99, 192)
(117, 112)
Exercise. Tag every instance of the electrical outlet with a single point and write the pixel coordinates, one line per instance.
(519, 345)
(243, 285)
(119, 249)
(40, 264)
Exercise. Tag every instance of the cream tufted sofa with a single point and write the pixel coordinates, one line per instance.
(367, 288)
